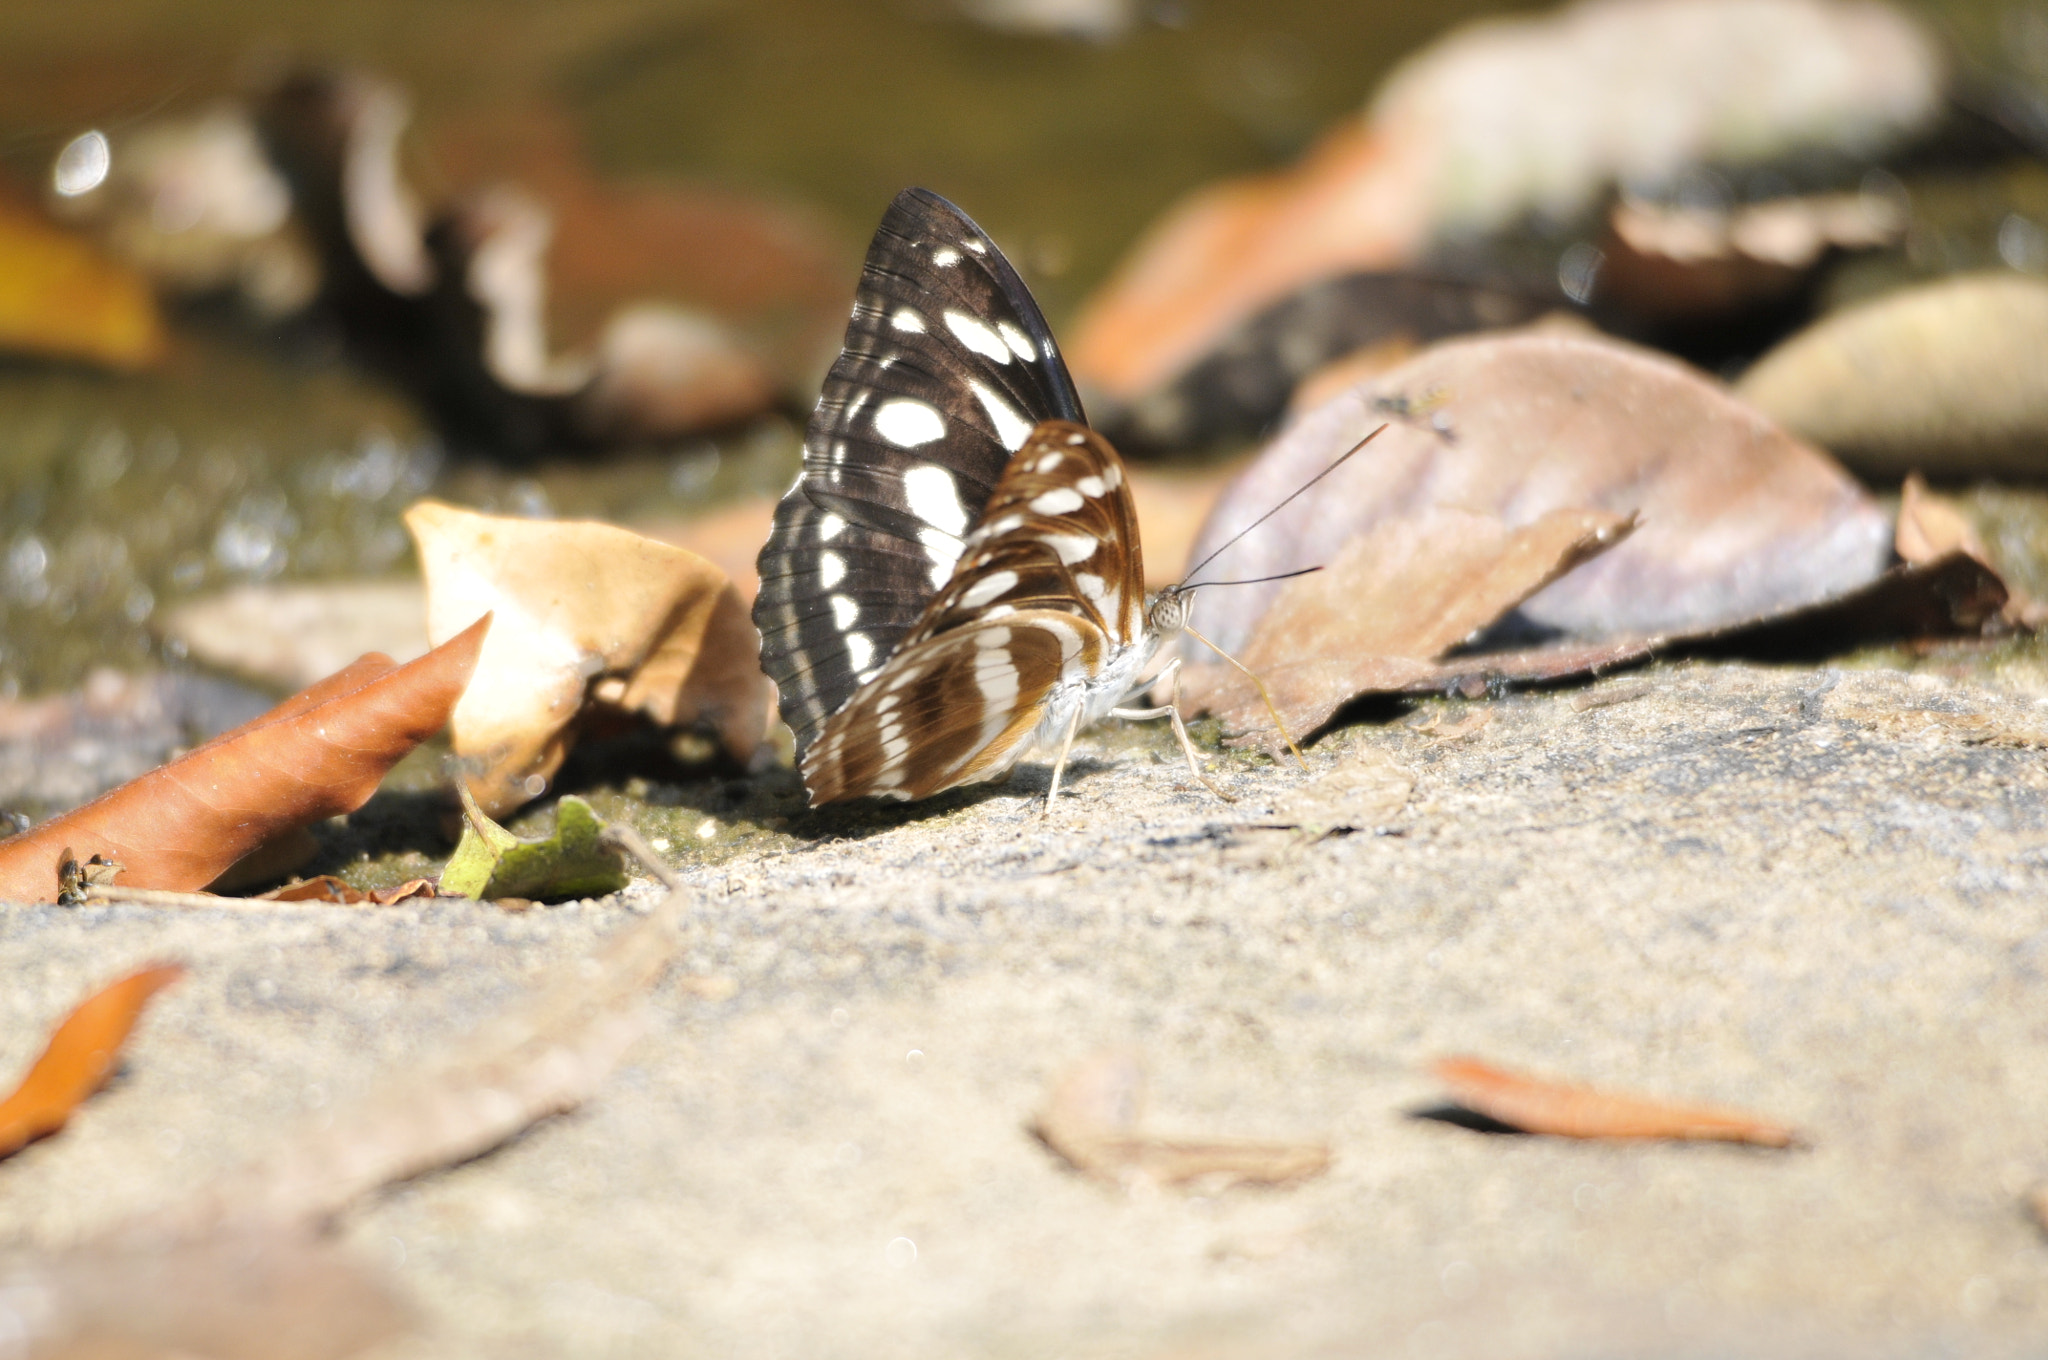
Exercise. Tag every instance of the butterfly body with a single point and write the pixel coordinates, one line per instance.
(1041, 629)
(955, 580)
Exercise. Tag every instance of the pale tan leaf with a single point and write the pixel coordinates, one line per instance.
(1091, 1120)
(587, 612)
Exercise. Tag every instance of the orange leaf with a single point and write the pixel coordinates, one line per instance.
(80, 1054)
(319, 753)
(1534, 1105)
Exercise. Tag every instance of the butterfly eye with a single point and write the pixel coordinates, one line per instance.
(1169, 612)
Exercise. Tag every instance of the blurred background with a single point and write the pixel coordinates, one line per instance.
(268, 274)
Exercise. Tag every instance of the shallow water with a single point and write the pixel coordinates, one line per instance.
(248, 457)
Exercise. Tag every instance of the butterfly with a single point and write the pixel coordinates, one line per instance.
(955, 578)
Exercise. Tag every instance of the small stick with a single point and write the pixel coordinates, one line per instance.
(164, 897)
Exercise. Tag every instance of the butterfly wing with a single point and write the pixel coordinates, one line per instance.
(1050, 586)
(946, 368)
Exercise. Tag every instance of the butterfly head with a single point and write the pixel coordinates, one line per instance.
(1166, 613)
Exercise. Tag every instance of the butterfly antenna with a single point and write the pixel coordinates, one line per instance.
(1270, 706)
(1283, 504)
(1257, 580)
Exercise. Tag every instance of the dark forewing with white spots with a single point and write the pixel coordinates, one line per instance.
(947, 368)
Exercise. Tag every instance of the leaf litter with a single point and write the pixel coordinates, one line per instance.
(1449, 561)
(319, 753)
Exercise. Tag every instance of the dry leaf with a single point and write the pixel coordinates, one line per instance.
(587, 613)
(1738, 519)
(1932, 527)
(60, 298)
(1395, 599)
(328, 888)
(1501, 121)
(81, 1054)
(1944, 377)
(319, 753)
(1534, 1105)
(258, 1294)
(1092, 1119)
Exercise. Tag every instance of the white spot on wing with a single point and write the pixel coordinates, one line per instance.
(978, 336)
(844, 612)
(907, 423)
(859, 651)
(831, 526)
(934, 497)
(942, 550)
(989, 638)
(996, 676)
(1071, 548)
(945, 257)
(1063, 500)
(1049, 462)
(975, 246)
(907, 320)
(1019, 343)
(1011, 428)
(1091, 585)
(988, 589)
(831, 569)
(1077, 438)
(1091, 487)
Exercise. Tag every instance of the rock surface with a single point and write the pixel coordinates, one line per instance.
(1812, 894)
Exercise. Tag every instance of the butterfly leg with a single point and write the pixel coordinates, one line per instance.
(1060, 761)
(1171, 709)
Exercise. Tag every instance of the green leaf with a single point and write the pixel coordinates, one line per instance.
(483, 844)
(570, 863)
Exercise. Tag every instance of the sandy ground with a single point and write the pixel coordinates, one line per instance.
(1815, 894)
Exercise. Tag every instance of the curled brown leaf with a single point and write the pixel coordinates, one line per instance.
(319, 753)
